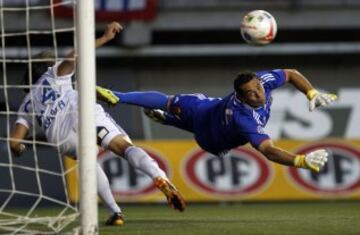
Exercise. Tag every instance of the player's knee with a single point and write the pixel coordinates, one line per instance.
(119, 144)
(173, 109)
(168, 105)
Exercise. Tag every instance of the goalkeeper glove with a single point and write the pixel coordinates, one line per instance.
(318, 99)
(314, 161)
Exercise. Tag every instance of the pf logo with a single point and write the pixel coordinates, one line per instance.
(340, 176)
(124, 179)
(240, 172)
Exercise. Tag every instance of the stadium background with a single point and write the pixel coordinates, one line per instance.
(185, 46)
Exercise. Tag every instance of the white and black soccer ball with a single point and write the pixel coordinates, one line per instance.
(258, 27)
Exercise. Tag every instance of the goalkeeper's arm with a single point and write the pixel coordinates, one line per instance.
(17, 135)
(316, 98)
(68, 65)
(314, 161)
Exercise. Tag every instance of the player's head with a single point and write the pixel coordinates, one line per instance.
(249, 89)
(38, 68)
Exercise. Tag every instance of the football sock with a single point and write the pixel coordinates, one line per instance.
(139, 159)
(104, 190)
(148, 99)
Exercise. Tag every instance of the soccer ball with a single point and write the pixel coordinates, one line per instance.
(258, 27)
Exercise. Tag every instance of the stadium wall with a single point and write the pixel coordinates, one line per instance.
(243, 174)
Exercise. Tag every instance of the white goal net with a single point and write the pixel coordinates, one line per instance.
(33, 187)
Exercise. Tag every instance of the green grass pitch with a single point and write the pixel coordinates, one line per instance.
(301, 218)
(280, 218)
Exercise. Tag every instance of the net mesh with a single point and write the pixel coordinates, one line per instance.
(33, 187)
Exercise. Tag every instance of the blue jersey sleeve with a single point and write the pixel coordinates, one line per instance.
(272, 79)
(250, 130)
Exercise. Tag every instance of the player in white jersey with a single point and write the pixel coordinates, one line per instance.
(53, 103)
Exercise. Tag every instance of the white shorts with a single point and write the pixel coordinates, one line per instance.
(106, 129)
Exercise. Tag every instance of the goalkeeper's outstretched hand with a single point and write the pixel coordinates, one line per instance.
(318, 99)
(314, 161)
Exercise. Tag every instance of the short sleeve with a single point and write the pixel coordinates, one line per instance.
(251, 131)
(272, 79)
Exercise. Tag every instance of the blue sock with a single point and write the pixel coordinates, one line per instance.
(147, 99)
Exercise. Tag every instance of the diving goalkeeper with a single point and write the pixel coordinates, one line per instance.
(220, 124)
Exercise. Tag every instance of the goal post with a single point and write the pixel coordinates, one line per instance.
(86, 71)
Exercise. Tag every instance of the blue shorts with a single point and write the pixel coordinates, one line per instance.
(182, 110)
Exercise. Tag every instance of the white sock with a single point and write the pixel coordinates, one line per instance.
(139, 159)
(104, 190)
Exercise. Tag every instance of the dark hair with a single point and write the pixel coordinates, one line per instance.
(241, 79)
(38, 68)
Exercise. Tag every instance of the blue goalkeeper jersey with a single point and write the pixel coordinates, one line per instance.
(222, 124)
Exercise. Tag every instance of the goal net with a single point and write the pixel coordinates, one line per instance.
(33, 187)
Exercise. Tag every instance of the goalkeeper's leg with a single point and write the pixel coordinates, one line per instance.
(148, 99)
(166, 118)
(158, 106)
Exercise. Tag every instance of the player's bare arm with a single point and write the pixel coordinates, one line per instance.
(110, 32)
(316, 98)
(298, 80)
(314, 161)
(17, 135)
(276, 154)
(68, 65)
